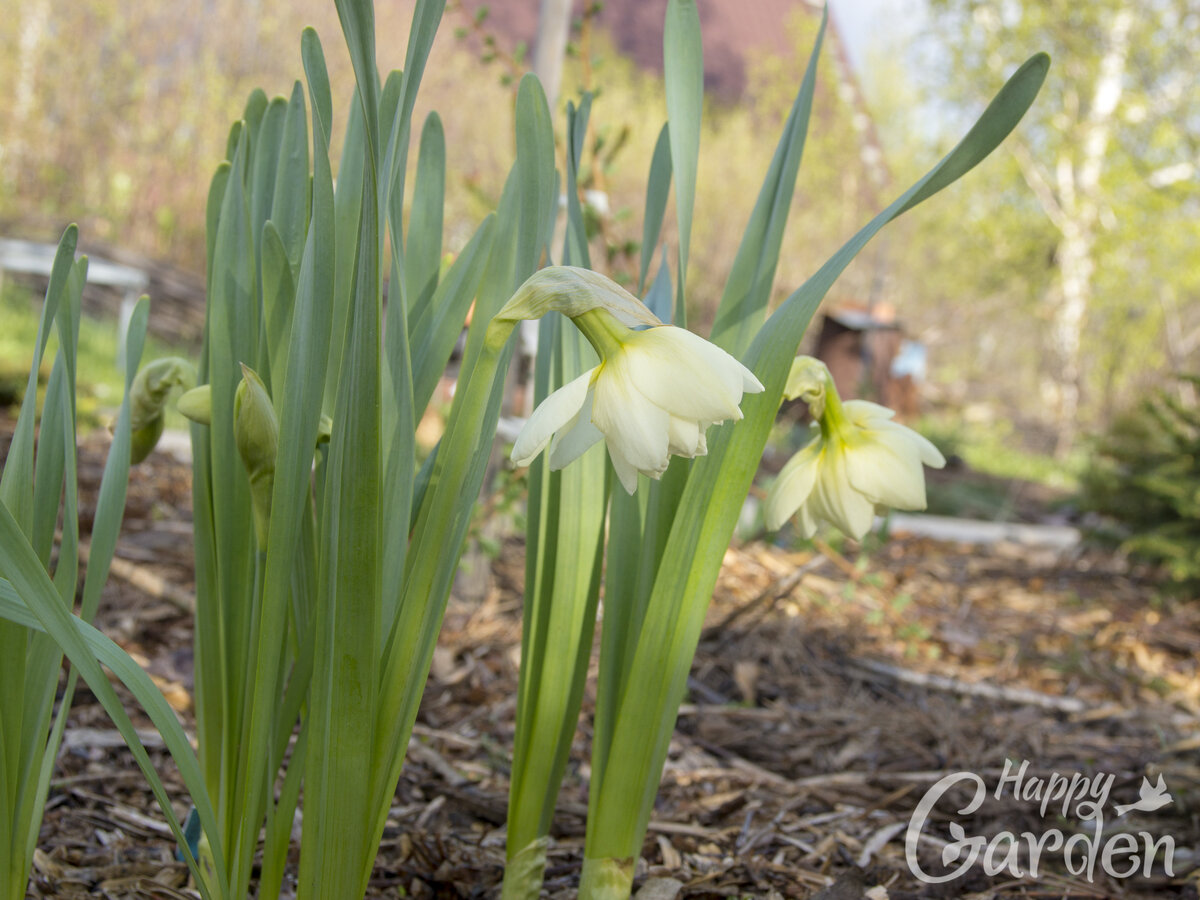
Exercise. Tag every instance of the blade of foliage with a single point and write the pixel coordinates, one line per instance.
(28, 598)
(683, 78)
(458, 467)
(434, 335)
(289, 207)
(423, 252)
(336, 847)
(747, 291)
(658, 188)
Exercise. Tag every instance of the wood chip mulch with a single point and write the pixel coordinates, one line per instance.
(828, 695)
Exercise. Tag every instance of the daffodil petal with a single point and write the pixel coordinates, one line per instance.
(922, 447)
(792, 487)
(686, 437)
(685, 374)
(551, 414)
(835, 500)
(575, 438)
(886, 474)
(632, 425)
(806, 522)
(626, 473)
(865, 413)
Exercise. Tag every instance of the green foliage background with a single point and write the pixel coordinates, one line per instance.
(1145, 476)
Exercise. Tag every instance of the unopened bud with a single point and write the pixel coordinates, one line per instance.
(196, 404)
(148, 399)
(808, 380)
(256, 433)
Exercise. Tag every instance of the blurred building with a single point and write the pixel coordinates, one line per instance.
(869, 357)
(731, 30)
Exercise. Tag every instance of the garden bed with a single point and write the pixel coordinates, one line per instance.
(827, 696)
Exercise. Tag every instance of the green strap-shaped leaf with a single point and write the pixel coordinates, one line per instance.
(683, 77)
(16, 481)
(535, 166)
(423, 252)
(28, 598)
(348, 200)
(575, 243)
(457, 470)
(278, 296)
(426, 17)
(106, 526)
(290, 201)
(434, 335)
(264, 167)
(358, 25)
(658, 188)
(336, 845)
(747, 291)
(297, 398)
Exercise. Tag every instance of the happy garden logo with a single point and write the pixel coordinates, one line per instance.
(1117, 853)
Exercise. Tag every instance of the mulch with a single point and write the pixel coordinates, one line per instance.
(829, 692)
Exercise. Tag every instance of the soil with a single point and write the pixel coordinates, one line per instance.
(829, 693)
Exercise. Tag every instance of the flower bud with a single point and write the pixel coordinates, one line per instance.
(196, 404)
(256, 434)
(808, 380)
(148, 399)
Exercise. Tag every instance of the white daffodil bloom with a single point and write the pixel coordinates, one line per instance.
(858, 459)
(654, 394)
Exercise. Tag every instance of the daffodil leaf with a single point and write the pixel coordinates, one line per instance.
(423, 251)
(265, 144)
(683, 77)
(744, 300)
(291, 198)
(658, 188)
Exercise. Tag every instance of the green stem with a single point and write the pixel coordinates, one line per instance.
(603, 331)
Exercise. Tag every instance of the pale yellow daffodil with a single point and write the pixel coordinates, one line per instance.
(857, 460)
(653, 395)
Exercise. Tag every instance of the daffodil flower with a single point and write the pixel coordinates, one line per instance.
(857, 460)
(653, 395)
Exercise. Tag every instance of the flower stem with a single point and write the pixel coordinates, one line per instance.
(603, 331)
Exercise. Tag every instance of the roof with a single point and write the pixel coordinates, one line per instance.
(732, 31)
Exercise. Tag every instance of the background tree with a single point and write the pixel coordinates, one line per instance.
(1108, 153)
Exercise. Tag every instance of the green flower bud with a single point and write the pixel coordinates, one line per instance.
(196, 404)
(148, 399)
(808, 380)
(256, 434)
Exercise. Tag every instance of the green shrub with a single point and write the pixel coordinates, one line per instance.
(1145, 475)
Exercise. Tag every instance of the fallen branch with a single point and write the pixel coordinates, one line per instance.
(1023, 696)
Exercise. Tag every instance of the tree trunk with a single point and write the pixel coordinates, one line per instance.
(553, 25)
(1079, 197)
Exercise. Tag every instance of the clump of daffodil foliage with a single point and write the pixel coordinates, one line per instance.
(326, 547)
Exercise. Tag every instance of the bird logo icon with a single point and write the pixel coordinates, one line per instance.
(1150, 797)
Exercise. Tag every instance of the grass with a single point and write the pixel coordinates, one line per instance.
(998, 449)
(99, 391)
